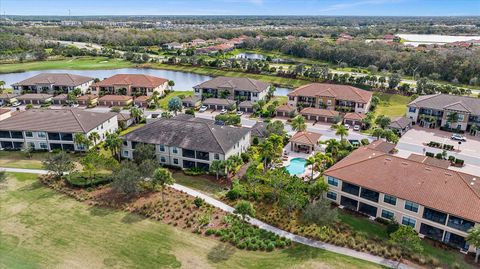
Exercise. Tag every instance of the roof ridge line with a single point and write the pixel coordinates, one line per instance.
(78, 121)
(363, 160)
(464, 181)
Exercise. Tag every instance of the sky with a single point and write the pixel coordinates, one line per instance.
(243, 7)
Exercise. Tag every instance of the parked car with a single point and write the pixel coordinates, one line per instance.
(239, 113)
(356, 128)
(458, 137)
(223, 111)
(202, 109)
(15, 104)
(73, 105)
(347, 126)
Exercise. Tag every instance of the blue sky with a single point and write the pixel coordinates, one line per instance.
(243, 7)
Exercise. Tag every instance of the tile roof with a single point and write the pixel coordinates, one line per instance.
(382, 146)
(55, 120)
(4, 110)
(429, 160)
(191, 99)
(447, 101)
(60, 79)
(354, 116)
(246, 104)
(189, 133)
(34, 96)
(337, 91)
(319, 112)
(400, 123)
(434, 187)
(305, 137)
(142, 98)
(62, 96)
(8, 96)
(245, 84)
(111, 97)
(285, 108)
(134, 80)
(86, 97)
(218, 101)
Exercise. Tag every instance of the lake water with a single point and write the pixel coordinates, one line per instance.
(417, 39)
(183, 81)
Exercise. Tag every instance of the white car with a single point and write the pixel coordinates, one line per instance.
(239, 113)
(15, 104)
(356, 128)
(347, 126)
(223, 111)
(203, 109)
(458, 137)
(73, 105)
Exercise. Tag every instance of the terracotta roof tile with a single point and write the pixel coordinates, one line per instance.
(134, 80)
(305, 137)
(319, 112)
(340, 92)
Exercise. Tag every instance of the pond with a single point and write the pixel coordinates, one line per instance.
(183, 81)
(296, 166)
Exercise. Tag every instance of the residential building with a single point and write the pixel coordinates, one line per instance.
(354, 118)
(7, 98)
(186, 142)
(342, 98)
(217, 103)
(259, 130)
(52, 83)
(192, 101)
(125, 120)
(438, 203)
(49, 129)
(400, 125)
(239, 89)
(285, 110)
(130, 84)
(5, 113)
(319, 114)
(304, 141)
(142, 101)
(115, 100)
(173, 46)
(433, 111)
(60, 99)
(34, 98)
(87, 100)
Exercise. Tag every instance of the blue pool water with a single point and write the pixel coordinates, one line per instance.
(296, 166)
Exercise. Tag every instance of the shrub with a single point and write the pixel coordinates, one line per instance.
(451, 158)
(459, 162)
(198, 202)
(439, 156)
(364, 142)
(429, 154)
(270, 246)
(392, 227)
(80, 180)
(190, 111)
(194, 171)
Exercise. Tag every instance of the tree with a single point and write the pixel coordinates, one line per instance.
(27, 149)
(378, 132)
(58, 164)
(320, 213)
(271, 92)
(275, 127)
(312, 162)
(323, 160)
(2, 86)
(317, 189)
(298, 123)
(406, 238)
(452, 118)
(244, 209)
(171, 83)
(383, 121)
(175, 105)
(91, 162)
(162, 177)
(113, 143)
(136, 113)
(341, 131)
(126, 179)
(391, 136)
(143, 152)
(217, 167)
(82, 141)
(94, 137)
(473, 238)
(230, 165)
(394, 80)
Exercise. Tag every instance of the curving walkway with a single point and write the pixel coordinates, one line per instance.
(262, 225)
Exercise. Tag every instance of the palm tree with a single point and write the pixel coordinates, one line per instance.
(323, 160)
(377, 132)
(2, 86)
(82, 141)
(298, 123)
(217, 166)
(473, 238)
(136, 113)
(155, 97)
(341, 131)
(312, 162)
(113, 143)
(94, 137)
(268, 151)
(452, 118)
(162, 177)
(171, 83)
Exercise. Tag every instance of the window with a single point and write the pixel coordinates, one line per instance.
(350, 188)
(461, 117)
(42, 134)
(333, 181)
(28, 134)
(329, 102)
(125, 153)
(162, 147)
(459, 223)
(197, 90)
(411, 206)
(216, 156)
(175, 161)
(387, 214)
(125, 143)
(43, 145)
(254, 94)
(412, 109)
(369, 195)
(390, 199)
(332, 195)
(162, 159)
(360, 105)
(434, 215)
(174, 150)
(409, 221)
(291, 98)
(18, 135)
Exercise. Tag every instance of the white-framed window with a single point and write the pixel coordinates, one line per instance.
(411, 206)
(216, 156)
(28, 134)
(409, 221)
(332, 195)
(42, 134)
(125, 153)
(161, 147)
(43, 145)
(162, 159)
(387, 214)
(332, 181)
(175, 161)
(175, 150)
(389, 199)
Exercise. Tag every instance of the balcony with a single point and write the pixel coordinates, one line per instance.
(350, 188)
(459, 223)
(202, 155)
(369, 195)
(435, 216)
(187, 153)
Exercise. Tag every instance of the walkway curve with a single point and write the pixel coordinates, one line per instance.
(262, 225)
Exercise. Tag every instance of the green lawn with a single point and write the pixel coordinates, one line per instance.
(40, 228)
(200, 183)
(17, 159)
(82, 63)
(163, 103)
(391, 105)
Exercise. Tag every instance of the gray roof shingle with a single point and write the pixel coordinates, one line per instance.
(245, 84)
(61, 79)
(447, 101)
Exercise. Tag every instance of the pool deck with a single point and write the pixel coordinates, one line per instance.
(291, 155)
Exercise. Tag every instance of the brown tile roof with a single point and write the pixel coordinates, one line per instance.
(319, 112)
(8, 96)
(34, 96)
(86, 97)
(112, 97)
(142, 98)
(382, 146)
(354, 116)
(400, 123)
(4, 110)
(60, 79)
(218, 101)
(55, 120)
(247, 104)
(246, 84)
(340, 92)
(434, 187)
(60, 97)
(429, 160)
(285, 108)
(305, 137)
(124, 116)
(134, 80)
(447, 101)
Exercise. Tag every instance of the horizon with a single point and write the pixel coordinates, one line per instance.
(327, 8)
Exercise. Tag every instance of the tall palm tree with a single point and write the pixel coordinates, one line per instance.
(81, 140)
(452, 118)
(217, 166)
(333, 147)
(298, 123)
(136, 113)
(312, 162)
(323, 160)
(267, 152)
(94, 137)
(341, 131)
(113, 143)
(229, 166)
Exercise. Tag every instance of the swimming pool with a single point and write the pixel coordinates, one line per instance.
(296, 166)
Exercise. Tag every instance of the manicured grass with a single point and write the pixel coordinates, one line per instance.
(40, 228)
(286, 82)
(391, 105)
(200, 183)
(82, 63)
(163, 103)
(131, 128)
(17, 159)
